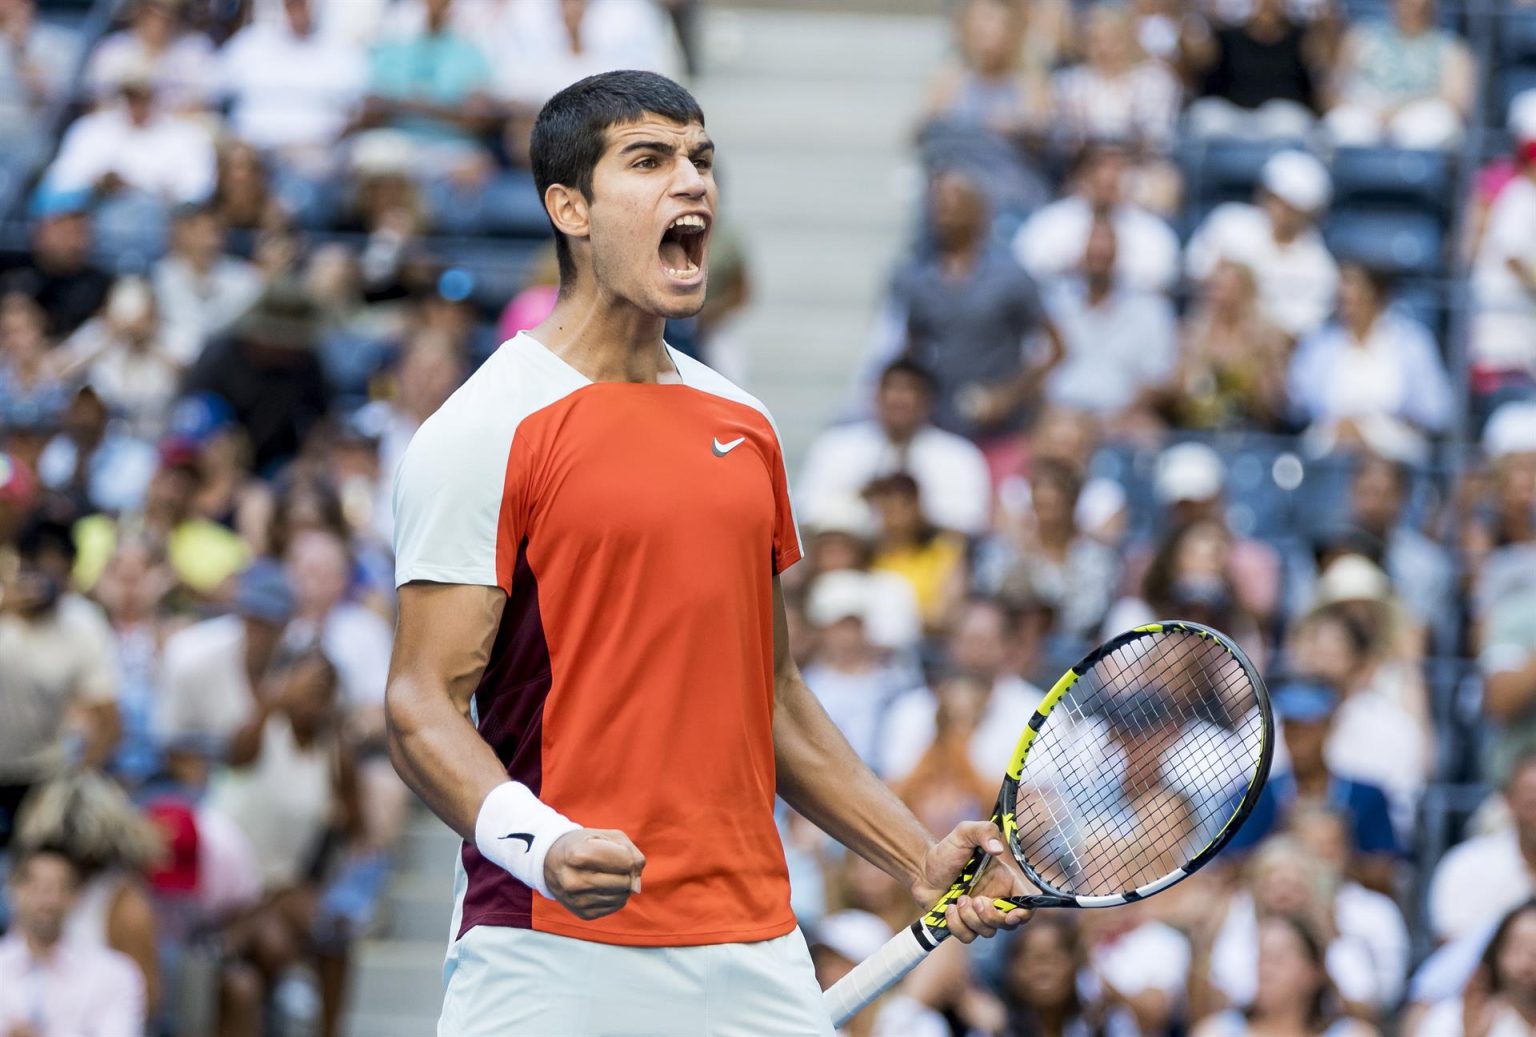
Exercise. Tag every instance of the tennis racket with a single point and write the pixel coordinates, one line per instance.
(1134, 771)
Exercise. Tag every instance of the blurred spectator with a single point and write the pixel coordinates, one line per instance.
(540, 291)
(32, 390)
(908, 544)
(1052, 242)
(847, 671)
(51, 986)
(35, 65)
(1507, 660)
(979, 646)
(950, 471)
(202, 289)
(1255, 78)
(269, 372)
(292, 87)
(1042, 556)
(180, 61)
(1071, 438)
(1500, 1000)
(1294, 993)
(59, 273)
(132, 358)
(1379, 734)
(1138, 966)
(134, 146)
(59, 684)
(203, 554)
(91, 819)
(290, 780)
(242, 193)
(1119, 342)
(431, 90)
(1503, 277)
(1048, 985)
(428, 372)
(210, 671)
(18, 492)
(968, 313)
(1498, 532)
(1406, 81)
(1419, 568)
(1232, 358)
(841, 533)
(131, 590)
(1498, 866)
(1373, 379)
(1277, 238)
(94, 461)
(994, 86)
(355, 639)
(1116, 93)
(843, 940)
(1306, 713)
(944, 785)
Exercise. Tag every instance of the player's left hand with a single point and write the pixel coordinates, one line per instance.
(973, 915)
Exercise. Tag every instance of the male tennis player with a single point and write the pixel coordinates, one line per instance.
(591, 681)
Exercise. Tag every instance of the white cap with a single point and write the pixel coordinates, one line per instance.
(854, 935)
(1352, 577)
(1189, 471)
(1298, 179)
(1511, 429)
(383, 153)
(850, 515)
(1522, 115)
(838, 595)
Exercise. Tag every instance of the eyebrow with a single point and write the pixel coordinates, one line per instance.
(703, 147)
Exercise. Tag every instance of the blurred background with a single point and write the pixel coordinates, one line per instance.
(1072, 315)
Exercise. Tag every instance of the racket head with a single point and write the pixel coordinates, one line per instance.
(1137, 767)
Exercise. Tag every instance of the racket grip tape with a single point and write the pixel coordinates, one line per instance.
(876, 974)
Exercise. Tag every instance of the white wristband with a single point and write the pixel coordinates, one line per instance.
(515, 830)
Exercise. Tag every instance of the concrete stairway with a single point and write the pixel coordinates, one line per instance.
(813, 111)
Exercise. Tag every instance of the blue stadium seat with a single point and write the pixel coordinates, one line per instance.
(499, 270)
(1370, 177)
(1515, 31)
(1403, 243)
(1227, 170)
(511, 207)
(1509, 82)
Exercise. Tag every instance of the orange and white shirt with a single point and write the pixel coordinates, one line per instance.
(635, 529)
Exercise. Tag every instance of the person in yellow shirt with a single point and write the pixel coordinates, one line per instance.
(932, 560)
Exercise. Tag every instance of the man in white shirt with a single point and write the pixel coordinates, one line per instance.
(1480, 879)
(292, 87)
(210, 671)
(1052, 241)
(979, 647)
(200, 289)
(1504, 275)
(950, 470)
(51, 986)
(1120, 343)
(135, 146)
(1278, 239)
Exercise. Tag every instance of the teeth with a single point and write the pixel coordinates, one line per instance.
(692, 269)
(691, 220)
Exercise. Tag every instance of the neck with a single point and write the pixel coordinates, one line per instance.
(1527, 842)
(605, 338)
(39, 948)
(1361, 327)
(1311, 782)
(900, 436)
(1098, 288)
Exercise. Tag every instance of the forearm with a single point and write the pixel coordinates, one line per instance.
(438, 753)
(821, 776)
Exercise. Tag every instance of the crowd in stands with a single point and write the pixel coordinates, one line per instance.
(1220, 310)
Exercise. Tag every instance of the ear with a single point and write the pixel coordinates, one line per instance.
(568, 210)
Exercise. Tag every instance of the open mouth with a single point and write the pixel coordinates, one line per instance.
(682, 247)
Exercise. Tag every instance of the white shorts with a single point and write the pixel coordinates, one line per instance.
(505, 982)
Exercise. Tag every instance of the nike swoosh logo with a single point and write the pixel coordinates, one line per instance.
(524, 836)
(721, 449)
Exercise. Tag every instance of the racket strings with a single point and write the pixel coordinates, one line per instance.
(1131, 776)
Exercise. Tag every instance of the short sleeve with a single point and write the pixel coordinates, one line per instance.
(787, 549)
(449, 506)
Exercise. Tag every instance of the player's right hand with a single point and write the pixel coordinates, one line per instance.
(593, 871)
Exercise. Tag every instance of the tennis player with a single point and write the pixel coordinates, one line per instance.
(591, 680)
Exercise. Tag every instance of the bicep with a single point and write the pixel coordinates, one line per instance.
(445, 632)
(784, 668)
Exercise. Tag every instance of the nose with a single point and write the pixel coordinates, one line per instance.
(689, 182)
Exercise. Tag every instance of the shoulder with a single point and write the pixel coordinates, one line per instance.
(83, 615)
(705, 379)
(1478, 854)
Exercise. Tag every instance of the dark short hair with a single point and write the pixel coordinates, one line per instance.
(909, 368)
(570, 132)
(22, 856)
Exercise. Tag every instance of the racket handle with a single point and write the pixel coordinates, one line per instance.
(876, 974)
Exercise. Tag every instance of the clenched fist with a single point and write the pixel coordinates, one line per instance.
(591, 872)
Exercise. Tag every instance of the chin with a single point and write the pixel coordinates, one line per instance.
(676, 304)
